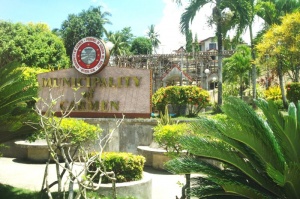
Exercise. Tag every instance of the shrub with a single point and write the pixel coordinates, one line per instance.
(293, 92)
(193, 97)
(126, 166)
(274, 94)
(73, 130)
(168, 136)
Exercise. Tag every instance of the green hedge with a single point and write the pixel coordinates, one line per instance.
(126, 166)
(192, 97)
(293, 92)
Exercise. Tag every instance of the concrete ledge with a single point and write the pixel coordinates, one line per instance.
(155, 157)
(141, 189)
(36, 151)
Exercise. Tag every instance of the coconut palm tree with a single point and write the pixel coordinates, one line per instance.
(260, 155)
(220, 19)
(271, 11)
(153, 36)
(120, 46)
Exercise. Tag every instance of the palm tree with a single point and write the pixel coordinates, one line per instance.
(119, 45)
(260, 155)
(237, 66)
(272, 10)
(18, 87)
(219, 18)
(153, 36)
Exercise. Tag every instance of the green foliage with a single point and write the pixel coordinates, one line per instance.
(189, 41)
(261, 157)
(281, 45)
(293, 92)
(78, 131)
(18, 86)
(196, 45)
(237, 67)
(31, 45)
(141, 46)
(88, 23)
(71, 130)
(153, 36)
(230, 89)
(165, 118)
(274, 93)
(168, 136)
(193, 97)
(121, 41)
(126, 166)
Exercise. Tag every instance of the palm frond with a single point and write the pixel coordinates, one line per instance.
(284, 128)
(190, 12)
(215, 149)
(216, 181)
(254, 132)
(292, 182)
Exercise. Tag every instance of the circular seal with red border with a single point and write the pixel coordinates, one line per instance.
(90, 55)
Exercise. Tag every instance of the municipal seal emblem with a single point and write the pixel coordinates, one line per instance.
(90, 55)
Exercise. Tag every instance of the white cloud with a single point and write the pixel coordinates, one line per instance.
(169, 26)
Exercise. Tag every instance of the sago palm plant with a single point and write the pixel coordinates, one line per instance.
(18, 86)
(259, 155)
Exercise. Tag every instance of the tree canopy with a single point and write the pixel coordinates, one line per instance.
(141, 46)
(31, 45)
(121, 41)
(281, 44)
(237, 67)
(153, 36)
(88, 23)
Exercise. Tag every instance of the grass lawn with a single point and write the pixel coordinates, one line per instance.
(9, 192)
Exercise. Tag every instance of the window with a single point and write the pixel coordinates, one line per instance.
(212, 46)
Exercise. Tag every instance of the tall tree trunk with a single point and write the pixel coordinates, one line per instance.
(297, 74)
(253, 65)
(281, 83)
(241, 86)
(220, 51)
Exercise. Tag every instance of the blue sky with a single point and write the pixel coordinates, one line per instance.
(137, 14)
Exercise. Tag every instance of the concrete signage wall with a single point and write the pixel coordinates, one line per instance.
(111, 93)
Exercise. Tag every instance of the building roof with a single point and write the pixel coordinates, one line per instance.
(206, 39)
(175, 72)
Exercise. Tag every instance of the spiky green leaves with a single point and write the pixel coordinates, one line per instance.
(260, 154)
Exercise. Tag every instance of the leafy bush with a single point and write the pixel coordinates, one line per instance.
(73, 130)
(78, 131)
(293, 92)
(126, 166)
(168, 137)
(193, 97)
(274, 94)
